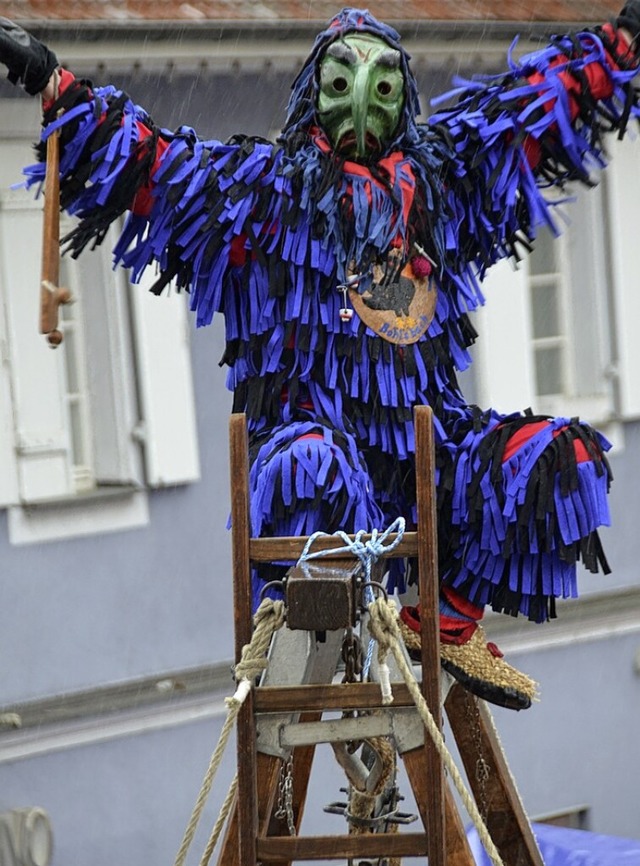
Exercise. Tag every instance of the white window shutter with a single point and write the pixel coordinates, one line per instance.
(9, 494)
(112, 390)
(166, 386)
(504, 366)
(623, 180)
(41, 439)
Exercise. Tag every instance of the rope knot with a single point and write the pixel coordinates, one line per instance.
(368, 552)
(268, 618)
(383, 622)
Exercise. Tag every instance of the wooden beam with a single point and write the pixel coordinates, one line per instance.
(337, 696)
(428, 583)
(289, 548)
(247, 802)
(494, 790)
(287, 848)
(458, 852)
(267, 770)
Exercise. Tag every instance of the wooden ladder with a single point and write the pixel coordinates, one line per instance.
(254, 834)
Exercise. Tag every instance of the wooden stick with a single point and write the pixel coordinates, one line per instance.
(51, 295)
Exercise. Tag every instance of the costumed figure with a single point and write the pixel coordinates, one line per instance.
(345, 259)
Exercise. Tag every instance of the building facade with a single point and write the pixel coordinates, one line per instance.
(116, 623)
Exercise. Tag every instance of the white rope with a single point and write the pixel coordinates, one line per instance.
(383, 624)
(385, 682)
(220, 821)
(269, 617)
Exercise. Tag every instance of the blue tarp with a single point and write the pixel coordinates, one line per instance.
(562, 847)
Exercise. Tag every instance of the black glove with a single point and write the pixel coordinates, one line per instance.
(629, 18)
(28, 60)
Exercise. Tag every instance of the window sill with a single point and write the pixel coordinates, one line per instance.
(107, 509)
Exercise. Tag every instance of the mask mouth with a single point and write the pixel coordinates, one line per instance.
(348, 144)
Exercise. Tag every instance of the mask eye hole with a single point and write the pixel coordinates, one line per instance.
(340, 84)
(384, 88)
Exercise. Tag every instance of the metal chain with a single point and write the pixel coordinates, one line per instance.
(352, 656)
(285, 796)
(482, 768)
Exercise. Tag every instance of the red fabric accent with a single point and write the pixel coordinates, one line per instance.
(143, 200)
(462, 604)
(421, 267)
(237, 252)
(532, 151)
(495, 650)
(526, 433)
(521, 437)
(452, 630)
(65, 79)
(582, 455)
(456, 631)
(301, 402)
(389, 165)
(410, 616)
(621, 44)
(309, 436)
(598, 81)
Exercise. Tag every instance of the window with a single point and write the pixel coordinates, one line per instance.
(549, 318)
(568, 284)
(108, 413)
(558, 331)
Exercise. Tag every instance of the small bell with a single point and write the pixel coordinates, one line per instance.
(346, 314)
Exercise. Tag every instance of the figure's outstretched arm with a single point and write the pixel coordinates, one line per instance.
(539, 126)
(196, 208)
(108, 144)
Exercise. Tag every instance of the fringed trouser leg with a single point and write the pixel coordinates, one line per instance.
(306, 477)
(522, 506)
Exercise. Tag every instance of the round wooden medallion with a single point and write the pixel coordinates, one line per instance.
(398, 306)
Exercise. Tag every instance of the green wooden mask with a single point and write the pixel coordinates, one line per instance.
(361, 94)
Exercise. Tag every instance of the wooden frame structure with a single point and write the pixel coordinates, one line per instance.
(254, 834)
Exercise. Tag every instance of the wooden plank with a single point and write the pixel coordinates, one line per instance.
(239, 455)
(343, 730)
(246, 729)
(430, 625)
(458, 848)
(458, 851)
(494, 790)
(302, 762)
(287, 848)
(247, 784)
(229, 847)
(289, 548)
(268, 772)
(268, 769)
(338, 696)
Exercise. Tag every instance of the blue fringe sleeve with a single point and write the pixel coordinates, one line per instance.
(209, 202)
(519, 134)
(106, 157)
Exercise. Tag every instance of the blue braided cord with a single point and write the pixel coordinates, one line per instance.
(368, 552)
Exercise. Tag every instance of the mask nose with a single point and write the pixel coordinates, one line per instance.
(360, 108)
